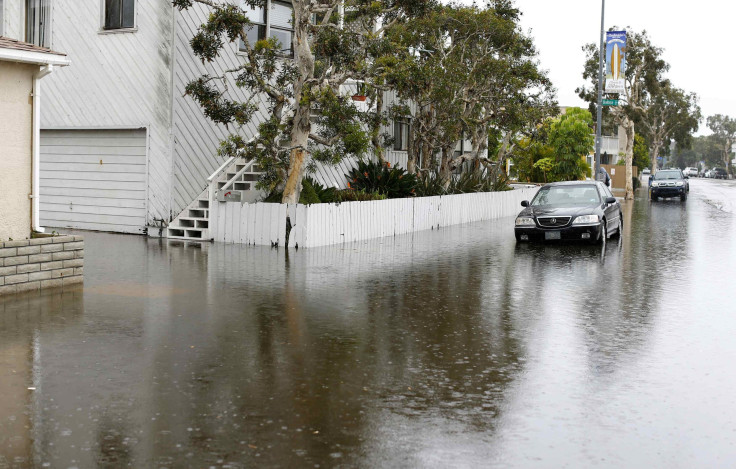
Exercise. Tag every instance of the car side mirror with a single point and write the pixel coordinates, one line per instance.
(524, 203)
(610, 200)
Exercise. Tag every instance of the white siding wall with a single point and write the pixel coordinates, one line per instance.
(13, 19)
(116, 80)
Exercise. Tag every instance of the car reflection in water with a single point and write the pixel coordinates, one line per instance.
(571, 211)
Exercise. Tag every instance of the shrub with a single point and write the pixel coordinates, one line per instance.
(429, 183)
(324, 194)
(308, 195)
(370, 177)
(351, 195)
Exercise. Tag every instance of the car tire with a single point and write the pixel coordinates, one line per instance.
(655, 198)
(602, 234)
(683, 197)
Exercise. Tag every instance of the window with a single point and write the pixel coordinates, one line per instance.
(274, 21)
(401, 135)
(38, 22)
(119, 14)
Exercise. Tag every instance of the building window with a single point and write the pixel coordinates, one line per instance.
(401, 135)
(274, 21)
(38, 22)
(119, 14)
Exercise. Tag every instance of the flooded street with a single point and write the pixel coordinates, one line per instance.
(446, 348)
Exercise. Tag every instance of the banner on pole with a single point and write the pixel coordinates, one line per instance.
(615, 62)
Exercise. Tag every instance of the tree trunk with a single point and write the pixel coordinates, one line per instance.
(445, 164)
(301, 126)
(376, 129)
(411, 154)
(629, 126)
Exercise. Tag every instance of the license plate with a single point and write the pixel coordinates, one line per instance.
(551, 235)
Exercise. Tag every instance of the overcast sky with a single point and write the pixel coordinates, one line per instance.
(696, 36)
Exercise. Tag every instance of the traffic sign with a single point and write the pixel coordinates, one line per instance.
(610, 102)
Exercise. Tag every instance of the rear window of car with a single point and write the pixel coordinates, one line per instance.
(667, 175)
(567, 195)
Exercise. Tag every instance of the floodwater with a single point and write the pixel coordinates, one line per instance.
(448, 348)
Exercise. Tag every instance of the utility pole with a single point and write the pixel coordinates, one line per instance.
(599, 113)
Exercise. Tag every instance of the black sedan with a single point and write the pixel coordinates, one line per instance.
(575, 210)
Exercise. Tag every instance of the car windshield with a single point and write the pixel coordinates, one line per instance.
(667, 175)
(567, 195)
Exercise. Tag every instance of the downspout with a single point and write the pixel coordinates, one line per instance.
(36, 146)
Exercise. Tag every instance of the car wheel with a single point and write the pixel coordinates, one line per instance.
(655, 198)
(602, 234)
(683, 197)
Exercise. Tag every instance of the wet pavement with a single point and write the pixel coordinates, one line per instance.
(449, 348)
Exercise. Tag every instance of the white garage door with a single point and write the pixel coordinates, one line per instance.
(94, 179)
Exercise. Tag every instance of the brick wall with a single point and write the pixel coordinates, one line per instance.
(33, 264)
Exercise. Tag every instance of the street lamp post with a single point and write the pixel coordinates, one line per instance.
(599, 111)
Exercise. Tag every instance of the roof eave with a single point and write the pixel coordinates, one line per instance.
(29, 57)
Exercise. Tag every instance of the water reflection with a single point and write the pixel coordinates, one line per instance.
(435, 349)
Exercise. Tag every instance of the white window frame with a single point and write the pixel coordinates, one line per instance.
(401, 141)
(2, 17)
(102, 29)
(49, 23)
(267, 18)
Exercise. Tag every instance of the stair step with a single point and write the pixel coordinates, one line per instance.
(197, 213)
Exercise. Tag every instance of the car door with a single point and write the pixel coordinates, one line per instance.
(611, 211)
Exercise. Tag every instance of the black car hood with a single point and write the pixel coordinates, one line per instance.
(549, 211)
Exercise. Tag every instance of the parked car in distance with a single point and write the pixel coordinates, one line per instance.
(670, 183)
(708, 173)
(690, 171)
(572, 211)
(719, 173)
(646, 171)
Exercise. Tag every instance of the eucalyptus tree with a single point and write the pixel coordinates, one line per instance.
(724, 135)
(645, 69)
(333, 42)
(671, 114)
(469, 70)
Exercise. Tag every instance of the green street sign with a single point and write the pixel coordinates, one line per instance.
(610, 102)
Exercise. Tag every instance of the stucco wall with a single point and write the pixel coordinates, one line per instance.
(16, 112)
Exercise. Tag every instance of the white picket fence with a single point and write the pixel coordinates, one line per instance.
(324, 224)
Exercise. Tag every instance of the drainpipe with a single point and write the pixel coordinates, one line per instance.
(36, 145)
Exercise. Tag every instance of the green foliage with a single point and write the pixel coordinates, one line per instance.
(545, 165)
(312, 193)
(429, 183)
(350, 195)
(641, 153)
(572, 141)
(381, 178)
(308, 195)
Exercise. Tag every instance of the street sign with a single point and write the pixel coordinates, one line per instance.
(610, 102)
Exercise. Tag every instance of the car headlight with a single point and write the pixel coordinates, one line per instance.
(678, 183)
(525, 221)
(655, 184)
(586, 220)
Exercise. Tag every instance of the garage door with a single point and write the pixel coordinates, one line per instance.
(94, 179)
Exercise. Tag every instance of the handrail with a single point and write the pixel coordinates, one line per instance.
(232, 180)
(222, 168)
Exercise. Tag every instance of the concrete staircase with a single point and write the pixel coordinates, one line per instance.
(235, 180)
